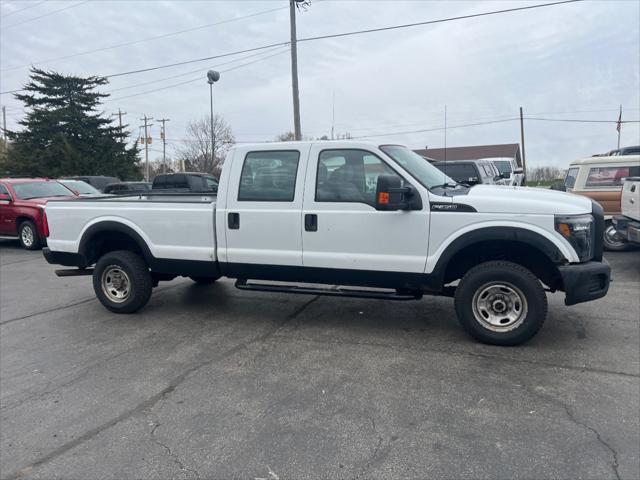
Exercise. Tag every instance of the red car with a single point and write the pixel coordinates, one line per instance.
(22, 203)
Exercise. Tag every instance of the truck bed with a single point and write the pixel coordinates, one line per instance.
(174, 226)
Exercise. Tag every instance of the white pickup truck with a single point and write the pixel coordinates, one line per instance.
(628, 224)
(344, 219)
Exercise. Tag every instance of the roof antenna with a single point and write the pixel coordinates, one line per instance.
(333, 114)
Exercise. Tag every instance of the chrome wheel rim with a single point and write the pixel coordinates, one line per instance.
(26, 235)
(116, 284)
(499, 306)
(612, 237)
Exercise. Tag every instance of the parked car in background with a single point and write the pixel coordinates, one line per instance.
(80, 188)
(628, 222)
(184, 182)
(127, 187)
(22, 202)
(98, 181)
(472, 172)
(634, 150)
(601, 179)
(510, 171)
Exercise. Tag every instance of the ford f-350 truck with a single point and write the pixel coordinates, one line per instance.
(344, 219)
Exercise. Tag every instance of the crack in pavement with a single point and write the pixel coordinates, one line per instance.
(570, 415)
(148, 404)
(173, 455)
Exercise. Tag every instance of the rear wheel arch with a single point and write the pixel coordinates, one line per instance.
(518, 245)
(108, 236)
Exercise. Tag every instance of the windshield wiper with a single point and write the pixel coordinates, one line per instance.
(446, 185)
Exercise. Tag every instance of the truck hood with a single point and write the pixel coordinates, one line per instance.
(524, 200)
(41, 200)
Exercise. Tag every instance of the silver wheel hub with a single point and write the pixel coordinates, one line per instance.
(499, 306)
(116, 284)
(612, 235)
(27, 236)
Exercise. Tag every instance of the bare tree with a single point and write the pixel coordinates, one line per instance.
(286, 137)
(196, 151)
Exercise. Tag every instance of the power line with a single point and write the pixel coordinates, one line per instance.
(47, 14)
(199, 78)
(147, 39)
(358, 32)
(576, 120)
(190, 72)
(23, 9)
(449, 127)
(344, 34)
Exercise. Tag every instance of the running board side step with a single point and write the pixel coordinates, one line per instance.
(332, 291)
(74, 272)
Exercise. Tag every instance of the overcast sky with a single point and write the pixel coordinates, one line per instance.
(572, 61)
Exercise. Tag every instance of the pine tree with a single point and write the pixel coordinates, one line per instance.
(65, 134)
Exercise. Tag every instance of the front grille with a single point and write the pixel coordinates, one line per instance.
(598, 230)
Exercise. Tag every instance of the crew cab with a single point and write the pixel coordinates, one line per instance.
(22, 203)
(345, 219)
(628, 223)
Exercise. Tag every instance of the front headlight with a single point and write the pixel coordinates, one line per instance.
(578, 230)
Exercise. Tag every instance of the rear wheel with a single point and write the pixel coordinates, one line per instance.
(613, 241)
(500, 303)
(204, 280)
(28, 235)
(122, 281)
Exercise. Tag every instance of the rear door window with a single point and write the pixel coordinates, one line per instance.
(269, 176)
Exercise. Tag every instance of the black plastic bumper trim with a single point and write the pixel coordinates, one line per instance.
(584, 282)
(67, 259)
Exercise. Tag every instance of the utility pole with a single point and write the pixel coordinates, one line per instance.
(524, 160)
(163, 135)
(146, 145)
(294, 71)
(4, 126)
(119, 115)
(618, 126)
(333, 114)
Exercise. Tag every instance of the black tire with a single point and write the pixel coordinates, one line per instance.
(28, 236)
(494, 282)
(136, 275)
(612, 241)
(204, 280)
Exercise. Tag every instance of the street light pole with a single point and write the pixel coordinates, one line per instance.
(212, 77)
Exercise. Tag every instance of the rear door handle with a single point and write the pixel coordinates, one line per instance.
(233, 220)
(311, 222)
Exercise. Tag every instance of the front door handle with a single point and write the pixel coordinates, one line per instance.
(311, 222)
(233, 221)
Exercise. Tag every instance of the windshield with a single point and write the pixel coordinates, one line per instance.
(570, 179)
(79, 186)
(428, 175)
(504, 166)
(25, 191)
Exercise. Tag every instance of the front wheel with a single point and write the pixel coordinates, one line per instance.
(613, 241)
(122, 281)
(28, 235)
(500, 303)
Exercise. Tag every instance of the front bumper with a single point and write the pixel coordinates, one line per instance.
(584, 282)
(67, 259)
(628, 228)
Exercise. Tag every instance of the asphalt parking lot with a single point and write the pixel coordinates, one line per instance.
(213, 382)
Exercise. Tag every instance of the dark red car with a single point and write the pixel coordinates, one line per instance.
(22, 203)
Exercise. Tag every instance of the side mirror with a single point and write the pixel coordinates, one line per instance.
(472, 181)
(391, 195)
(5, 198)
(518, 170)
